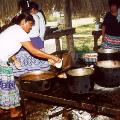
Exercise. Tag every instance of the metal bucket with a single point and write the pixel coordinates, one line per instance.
(107, 73)
(80, 80)
(108, 54)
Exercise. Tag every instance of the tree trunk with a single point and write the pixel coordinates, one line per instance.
(68, 24)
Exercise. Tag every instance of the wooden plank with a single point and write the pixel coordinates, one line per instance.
(90, 107)
(59, 33)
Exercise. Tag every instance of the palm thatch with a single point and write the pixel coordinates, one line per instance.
(7, 8)
(78, 7)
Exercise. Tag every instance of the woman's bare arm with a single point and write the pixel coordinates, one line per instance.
(36, 52)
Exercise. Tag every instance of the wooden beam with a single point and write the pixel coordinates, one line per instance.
(59, 33)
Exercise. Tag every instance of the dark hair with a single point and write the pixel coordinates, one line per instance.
(36, 6)
(113, 2)
(26, 16)
(18, 19)
(43, 15)
(23, 4)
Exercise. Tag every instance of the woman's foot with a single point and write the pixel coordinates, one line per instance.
(1, 111)
(15, 113)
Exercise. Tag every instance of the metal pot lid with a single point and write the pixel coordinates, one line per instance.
(80, 72)
(101, 50)
(38, 75)
(108, 64)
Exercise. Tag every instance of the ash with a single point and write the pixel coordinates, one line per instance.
(74, 115)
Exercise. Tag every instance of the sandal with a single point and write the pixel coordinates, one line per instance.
(17, 115)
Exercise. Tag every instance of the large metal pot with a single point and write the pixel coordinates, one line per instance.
(108, 54)
(107, 73)
(80, 80)
(38, 81)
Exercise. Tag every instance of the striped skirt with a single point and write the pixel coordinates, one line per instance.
(111, 42)
(29, 63)
(9, 93)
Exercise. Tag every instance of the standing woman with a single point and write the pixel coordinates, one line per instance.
(111, 27)
(11, 40)
(35, 9)
(38, 30)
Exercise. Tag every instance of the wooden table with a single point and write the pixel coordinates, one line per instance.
(59, 33)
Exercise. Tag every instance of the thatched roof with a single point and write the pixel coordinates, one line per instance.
(79, 7)
(7, 8)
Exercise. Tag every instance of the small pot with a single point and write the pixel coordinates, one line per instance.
(40, 81)
(107, 73)
(80, 80)
(89, 58)
(108, 54)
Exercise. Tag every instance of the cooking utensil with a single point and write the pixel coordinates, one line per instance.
(101, 50)
(89, 58)
(67, 62)
(107, 73)
(108, 54)
(65, 56)
(38, 80)
(59, 65)
(80, 80)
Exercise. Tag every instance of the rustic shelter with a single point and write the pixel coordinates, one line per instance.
(80, 8)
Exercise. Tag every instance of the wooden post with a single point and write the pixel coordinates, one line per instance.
(57, 41)
(67, 13)
(96, 35)
(68, 24)
(117, 116)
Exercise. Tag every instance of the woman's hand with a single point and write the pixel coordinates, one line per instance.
(17, 64)
(54, 59)
(14, 60)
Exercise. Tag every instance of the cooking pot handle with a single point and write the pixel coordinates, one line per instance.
(45, 86)
(27, 82)
(91, 67)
